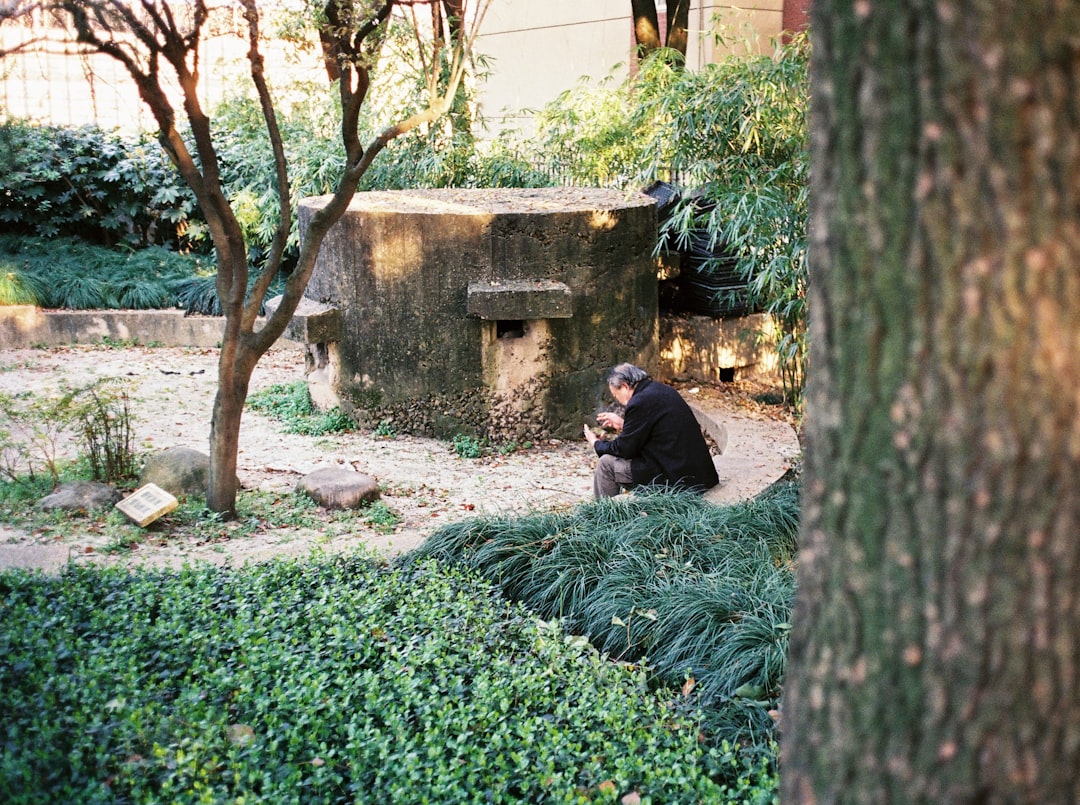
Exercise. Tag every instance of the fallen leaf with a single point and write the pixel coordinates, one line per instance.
(240, 734)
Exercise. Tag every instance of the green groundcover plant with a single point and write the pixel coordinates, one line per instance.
(291, 404)
(330, 679)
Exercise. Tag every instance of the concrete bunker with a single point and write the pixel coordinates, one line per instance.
(487, 312)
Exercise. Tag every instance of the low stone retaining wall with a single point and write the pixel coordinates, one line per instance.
(23, 326)
(696, 348)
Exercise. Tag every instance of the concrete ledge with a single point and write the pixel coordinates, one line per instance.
(520, 299)
(23, 326)
(312, 322)
(711, 424)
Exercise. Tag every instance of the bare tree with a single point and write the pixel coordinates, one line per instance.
(935, 655)
(156, 39)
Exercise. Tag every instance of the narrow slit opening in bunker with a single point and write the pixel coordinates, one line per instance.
(509, 328)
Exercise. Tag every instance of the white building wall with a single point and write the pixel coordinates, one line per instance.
(537, 50)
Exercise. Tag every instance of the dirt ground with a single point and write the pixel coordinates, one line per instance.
(423, 480)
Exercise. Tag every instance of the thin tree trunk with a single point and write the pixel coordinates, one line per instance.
(646, 26)
(678, 23)
(224, 444)
(240, 352)
(935, 655)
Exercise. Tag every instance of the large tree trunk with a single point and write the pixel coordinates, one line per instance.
(935, 655)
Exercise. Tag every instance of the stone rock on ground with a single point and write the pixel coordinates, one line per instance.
(80, 496)
(180, 471)
(337, 488)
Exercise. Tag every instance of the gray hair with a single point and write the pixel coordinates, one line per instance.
(626, 374)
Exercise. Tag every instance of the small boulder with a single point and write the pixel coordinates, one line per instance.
(180, 471)
(337, 488)
(80, 496)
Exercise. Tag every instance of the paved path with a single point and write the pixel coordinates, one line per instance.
(756, 451)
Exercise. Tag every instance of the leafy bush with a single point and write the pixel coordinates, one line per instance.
(703, 592)
(381, 517)
(103, 418)
(735, 134)
(100, 187)
(327, 680)
(33, 427)
(466, 446)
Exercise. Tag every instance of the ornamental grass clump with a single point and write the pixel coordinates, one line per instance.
(701, 593)
(67, 273)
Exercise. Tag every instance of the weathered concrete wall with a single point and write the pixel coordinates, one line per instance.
(399, 267)
(717, 350)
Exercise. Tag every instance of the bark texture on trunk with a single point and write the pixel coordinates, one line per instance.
(935, 655)
(235, 365)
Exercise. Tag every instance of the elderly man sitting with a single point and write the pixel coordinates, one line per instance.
(659, 441)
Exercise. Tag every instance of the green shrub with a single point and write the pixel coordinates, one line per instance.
(735, 133)
(32, 428)
(103, 418)
(327, 680)
(466, 446)
(381, 517)
(98, 186)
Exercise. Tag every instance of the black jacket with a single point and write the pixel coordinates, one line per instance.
(663, 440)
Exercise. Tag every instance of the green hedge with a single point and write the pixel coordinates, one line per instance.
(327, 680)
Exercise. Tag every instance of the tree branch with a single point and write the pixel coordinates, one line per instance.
(281, 171)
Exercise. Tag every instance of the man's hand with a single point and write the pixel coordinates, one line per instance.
(590, 437)
(610, 420)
